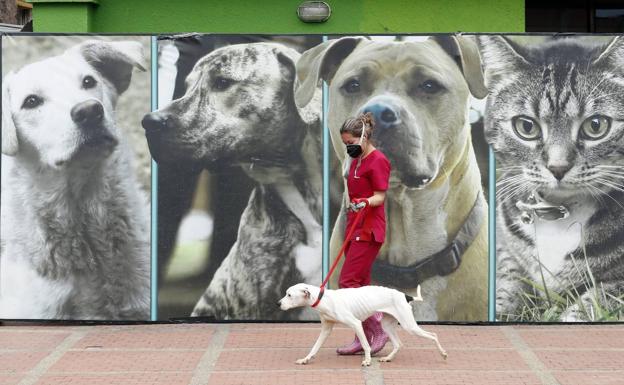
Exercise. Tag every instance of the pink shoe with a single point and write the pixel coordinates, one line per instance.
(376, 336)
(350, 349)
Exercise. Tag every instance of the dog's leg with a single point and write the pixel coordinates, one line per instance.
(389, 325)
(356, 325)
(326, 328)
(406, 319)
(307, 257)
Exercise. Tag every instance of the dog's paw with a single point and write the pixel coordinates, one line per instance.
(302, 361)
(385, 359)
(444, 355)
(366, 362)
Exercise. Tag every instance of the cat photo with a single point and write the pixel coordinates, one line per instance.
(555, 121)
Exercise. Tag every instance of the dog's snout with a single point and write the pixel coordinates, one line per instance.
(155, 121)
(385, 114)
(87, 113)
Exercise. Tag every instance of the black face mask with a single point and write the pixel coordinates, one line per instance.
(354, 150)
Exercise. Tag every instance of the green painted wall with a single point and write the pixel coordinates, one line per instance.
(278, 16)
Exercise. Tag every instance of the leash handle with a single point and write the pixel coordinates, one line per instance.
(344, 245)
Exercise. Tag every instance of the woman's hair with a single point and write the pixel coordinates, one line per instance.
(354, 125)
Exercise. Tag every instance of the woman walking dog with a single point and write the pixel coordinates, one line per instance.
(367, 182)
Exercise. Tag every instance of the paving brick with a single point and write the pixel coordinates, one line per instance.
(459, 337)
(26, 340)
(256, 359)
(283, 359)
(284, 338)
(411, 377)
(593, 378)
(584, 359)
(313, 377)
(457, 360)
(450, 338)
(10, 379)
(573, 338)
(118, 379)
(13, 362)
(152, 339)
(116, 361)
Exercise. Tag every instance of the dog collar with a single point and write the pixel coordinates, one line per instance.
(442, 263)
(318, 300)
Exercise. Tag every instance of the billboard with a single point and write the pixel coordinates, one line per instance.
(250, 172)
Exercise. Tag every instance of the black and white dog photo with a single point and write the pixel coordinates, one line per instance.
(232, 113)
(75, 227)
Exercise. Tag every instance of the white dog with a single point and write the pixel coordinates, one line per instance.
(75, 231)
(351, 306)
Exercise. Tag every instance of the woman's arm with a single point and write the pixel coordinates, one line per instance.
(377, 199)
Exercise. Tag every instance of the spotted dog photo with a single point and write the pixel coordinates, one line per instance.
(554, 119)
(240, 176)
(425, 94)
(75, 218)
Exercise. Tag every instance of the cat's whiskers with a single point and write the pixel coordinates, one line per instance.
(597, 196)
(596, 86)
(603, 193)
(606, 95)
(611, 186)
(511, 187)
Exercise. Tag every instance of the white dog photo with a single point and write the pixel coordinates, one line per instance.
(75, 226)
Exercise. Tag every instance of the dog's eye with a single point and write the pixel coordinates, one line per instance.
(222, 84)
(288, 295)
(88, 82)
(351, 86)
(32, 101)
(430, 87)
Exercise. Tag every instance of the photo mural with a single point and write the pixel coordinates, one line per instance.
(240, 174)
(75, 223)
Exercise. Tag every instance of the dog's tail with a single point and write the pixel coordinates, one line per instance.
(418, 297)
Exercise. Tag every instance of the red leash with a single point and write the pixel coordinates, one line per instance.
(340, 253)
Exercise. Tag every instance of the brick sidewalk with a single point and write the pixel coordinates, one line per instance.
(265, 354)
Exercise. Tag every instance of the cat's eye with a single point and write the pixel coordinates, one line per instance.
(32, 101)
(595, 127)
(351, 86)
(526, 128)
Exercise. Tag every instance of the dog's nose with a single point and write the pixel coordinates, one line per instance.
(87, 113)
(385, 115)
(155, 121)
(279, 303)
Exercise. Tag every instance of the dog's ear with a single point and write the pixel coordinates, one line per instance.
(114, 60)
(310, 113)
(306, 293)
(501, 58)
(320, 63)
(9, 132)
(466, 54)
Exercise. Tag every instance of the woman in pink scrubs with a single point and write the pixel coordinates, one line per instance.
(367, 183)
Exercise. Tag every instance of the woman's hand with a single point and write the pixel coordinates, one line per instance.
(358, 203)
